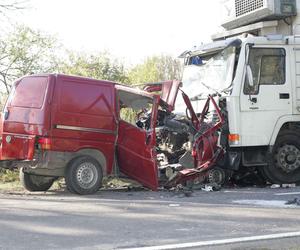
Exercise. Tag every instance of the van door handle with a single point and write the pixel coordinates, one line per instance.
(284, 96)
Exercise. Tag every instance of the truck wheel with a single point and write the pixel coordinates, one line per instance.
(284, 163)
(217, 175)
(35, 183)
(83, 175)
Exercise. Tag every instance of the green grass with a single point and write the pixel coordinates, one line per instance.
(9, 175)
(9, 182)
(111, 182)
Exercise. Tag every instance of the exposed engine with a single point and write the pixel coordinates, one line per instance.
(173, 136)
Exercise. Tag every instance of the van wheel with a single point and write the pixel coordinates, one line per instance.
(284, 163)
(83, 175)
(35, 183)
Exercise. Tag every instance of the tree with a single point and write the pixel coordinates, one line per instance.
(8, 11)
(155, 69)
(9, 5)
(98, 66)
(25, 51)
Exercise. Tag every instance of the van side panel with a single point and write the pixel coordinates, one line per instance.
(83, 116)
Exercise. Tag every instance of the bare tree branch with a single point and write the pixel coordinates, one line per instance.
(9, 6)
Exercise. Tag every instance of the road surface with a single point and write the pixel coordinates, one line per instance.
(243, 218)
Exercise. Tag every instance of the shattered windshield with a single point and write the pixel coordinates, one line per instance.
(207, 75)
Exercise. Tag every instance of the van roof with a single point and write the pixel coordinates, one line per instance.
(71, 77)
(81, 78)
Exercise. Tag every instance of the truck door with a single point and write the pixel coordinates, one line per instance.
(136, 140)
(266, 94)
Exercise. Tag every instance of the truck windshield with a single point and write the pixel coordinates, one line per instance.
(207, 75)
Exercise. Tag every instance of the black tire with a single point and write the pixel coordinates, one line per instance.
(35, 183)
(83, 175)
(284, 162)
(218, 176)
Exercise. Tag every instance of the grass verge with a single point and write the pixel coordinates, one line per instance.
(9, 182)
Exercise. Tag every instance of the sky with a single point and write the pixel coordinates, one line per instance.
(129, 29)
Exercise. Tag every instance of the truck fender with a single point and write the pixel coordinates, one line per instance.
(280, 123)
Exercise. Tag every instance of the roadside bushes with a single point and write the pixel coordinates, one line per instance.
(9, 175)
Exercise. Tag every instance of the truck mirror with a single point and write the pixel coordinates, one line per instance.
(249, 75)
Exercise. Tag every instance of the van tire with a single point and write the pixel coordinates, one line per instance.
(35, 183)
(83, 175)
(284, 162)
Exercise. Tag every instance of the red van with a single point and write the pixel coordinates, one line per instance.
(83, 129)
(67, 126)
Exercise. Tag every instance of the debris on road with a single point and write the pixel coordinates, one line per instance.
(295, 201)
(289, 185)
(211, 187)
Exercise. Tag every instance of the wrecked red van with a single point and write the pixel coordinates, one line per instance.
(82, 129)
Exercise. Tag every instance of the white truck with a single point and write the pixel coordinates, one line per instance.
(254, 68)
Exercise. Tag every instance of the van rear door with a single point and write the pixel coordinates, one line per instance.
(26, 115)
(136, 145)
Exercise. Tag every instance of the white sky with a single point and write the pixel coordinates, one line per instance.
(129, 29)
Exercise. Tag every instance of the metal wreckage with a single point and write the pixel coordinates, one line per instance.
(190, 148)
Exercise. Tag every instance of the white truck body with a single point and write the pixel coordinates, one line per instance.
(260, 80)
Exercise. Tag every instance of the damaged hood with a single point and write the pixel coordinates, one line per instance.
(169, 91)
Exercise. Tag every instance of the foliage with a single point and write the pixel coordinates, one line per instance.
(25, 51)
(98, 66)
(155, 69)
(9, 7)
(9, 175)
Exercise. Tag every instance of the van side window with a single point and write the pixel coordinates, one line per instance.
(267, 66)
(134, 108)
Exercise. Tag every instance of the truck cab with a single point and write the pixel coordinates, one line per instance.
(253, 66)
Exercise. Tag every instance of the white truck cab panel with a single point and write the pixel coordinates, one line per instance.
(261, 109)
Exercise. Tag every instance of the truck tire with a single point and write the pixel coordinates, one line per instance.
(218, 176)
(83, 175)
(35, 183)
(284, 162)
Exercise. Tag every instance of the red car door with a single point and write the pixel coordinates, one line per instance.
(136, 150)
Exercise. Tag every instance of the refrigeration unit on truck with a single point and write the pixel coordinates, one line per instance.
(253, 66)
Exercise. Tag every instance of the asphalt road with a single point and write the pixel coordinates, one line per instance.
(253, 218)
